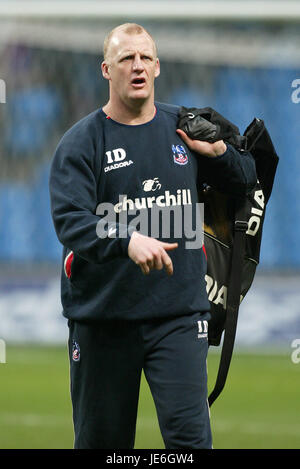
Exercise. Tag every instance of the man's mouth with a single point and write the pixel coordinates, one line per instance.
(138, 82)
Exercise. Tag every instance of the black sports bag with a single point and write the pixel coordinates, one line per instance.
(232, 227)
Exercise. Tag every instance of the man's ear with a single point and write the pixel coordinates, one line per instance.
(157, 68)
(105, 70)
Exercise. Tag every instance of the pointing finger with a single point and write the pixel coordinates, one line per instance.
(167, 263)
(169, 246)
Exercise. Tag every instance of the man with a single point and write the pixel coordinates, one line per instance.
(134, 301)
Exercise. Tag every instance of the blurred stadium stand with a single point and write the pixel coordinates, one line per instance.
(241, 65)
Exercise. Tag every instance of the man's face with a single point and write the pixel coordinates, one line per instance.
(131, 67)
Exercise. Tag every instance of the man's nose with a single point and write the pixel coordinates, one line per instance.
(137, 63)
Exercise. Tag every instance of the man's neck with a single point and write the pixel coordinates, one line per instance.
(130, 114)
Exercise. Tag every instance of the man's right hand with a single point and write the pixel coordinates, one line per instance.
(150, 253)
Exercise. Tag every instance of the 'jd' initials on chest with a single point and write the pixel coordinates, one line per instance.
(116, 155)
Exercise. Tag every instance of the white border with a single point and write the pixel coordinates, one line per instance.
(163, 10)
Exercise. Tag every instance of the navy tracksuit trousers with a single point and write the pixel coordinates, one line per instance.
(106, 361)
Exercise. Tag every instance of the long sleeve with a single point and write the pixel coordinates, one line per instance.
(233, 173)
(73, 192)
(132, 168)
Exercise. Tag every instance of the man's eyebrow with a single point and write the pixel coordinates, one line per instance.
(131, 52)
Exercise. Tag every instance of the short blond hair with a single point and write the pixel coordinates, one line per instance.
(128, 28)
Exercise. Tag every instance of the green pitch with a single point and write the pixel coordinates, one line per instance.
(259, 407)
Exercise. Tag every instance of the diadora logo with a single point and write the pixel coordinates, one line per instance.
(202, 329)
(217, 294)
(179, 154)
(115, 159)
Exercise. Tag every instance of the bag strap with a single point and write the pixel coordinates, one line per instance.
(232, 304)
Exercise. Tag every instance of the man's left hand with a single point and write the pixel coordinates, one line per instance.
(202, 147)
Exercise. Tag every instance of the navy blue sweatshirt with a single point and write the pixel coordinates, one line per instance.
(128, 169)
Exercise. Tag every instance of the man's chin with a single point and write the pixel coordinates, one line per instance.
(139, 94)
(138, 99)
